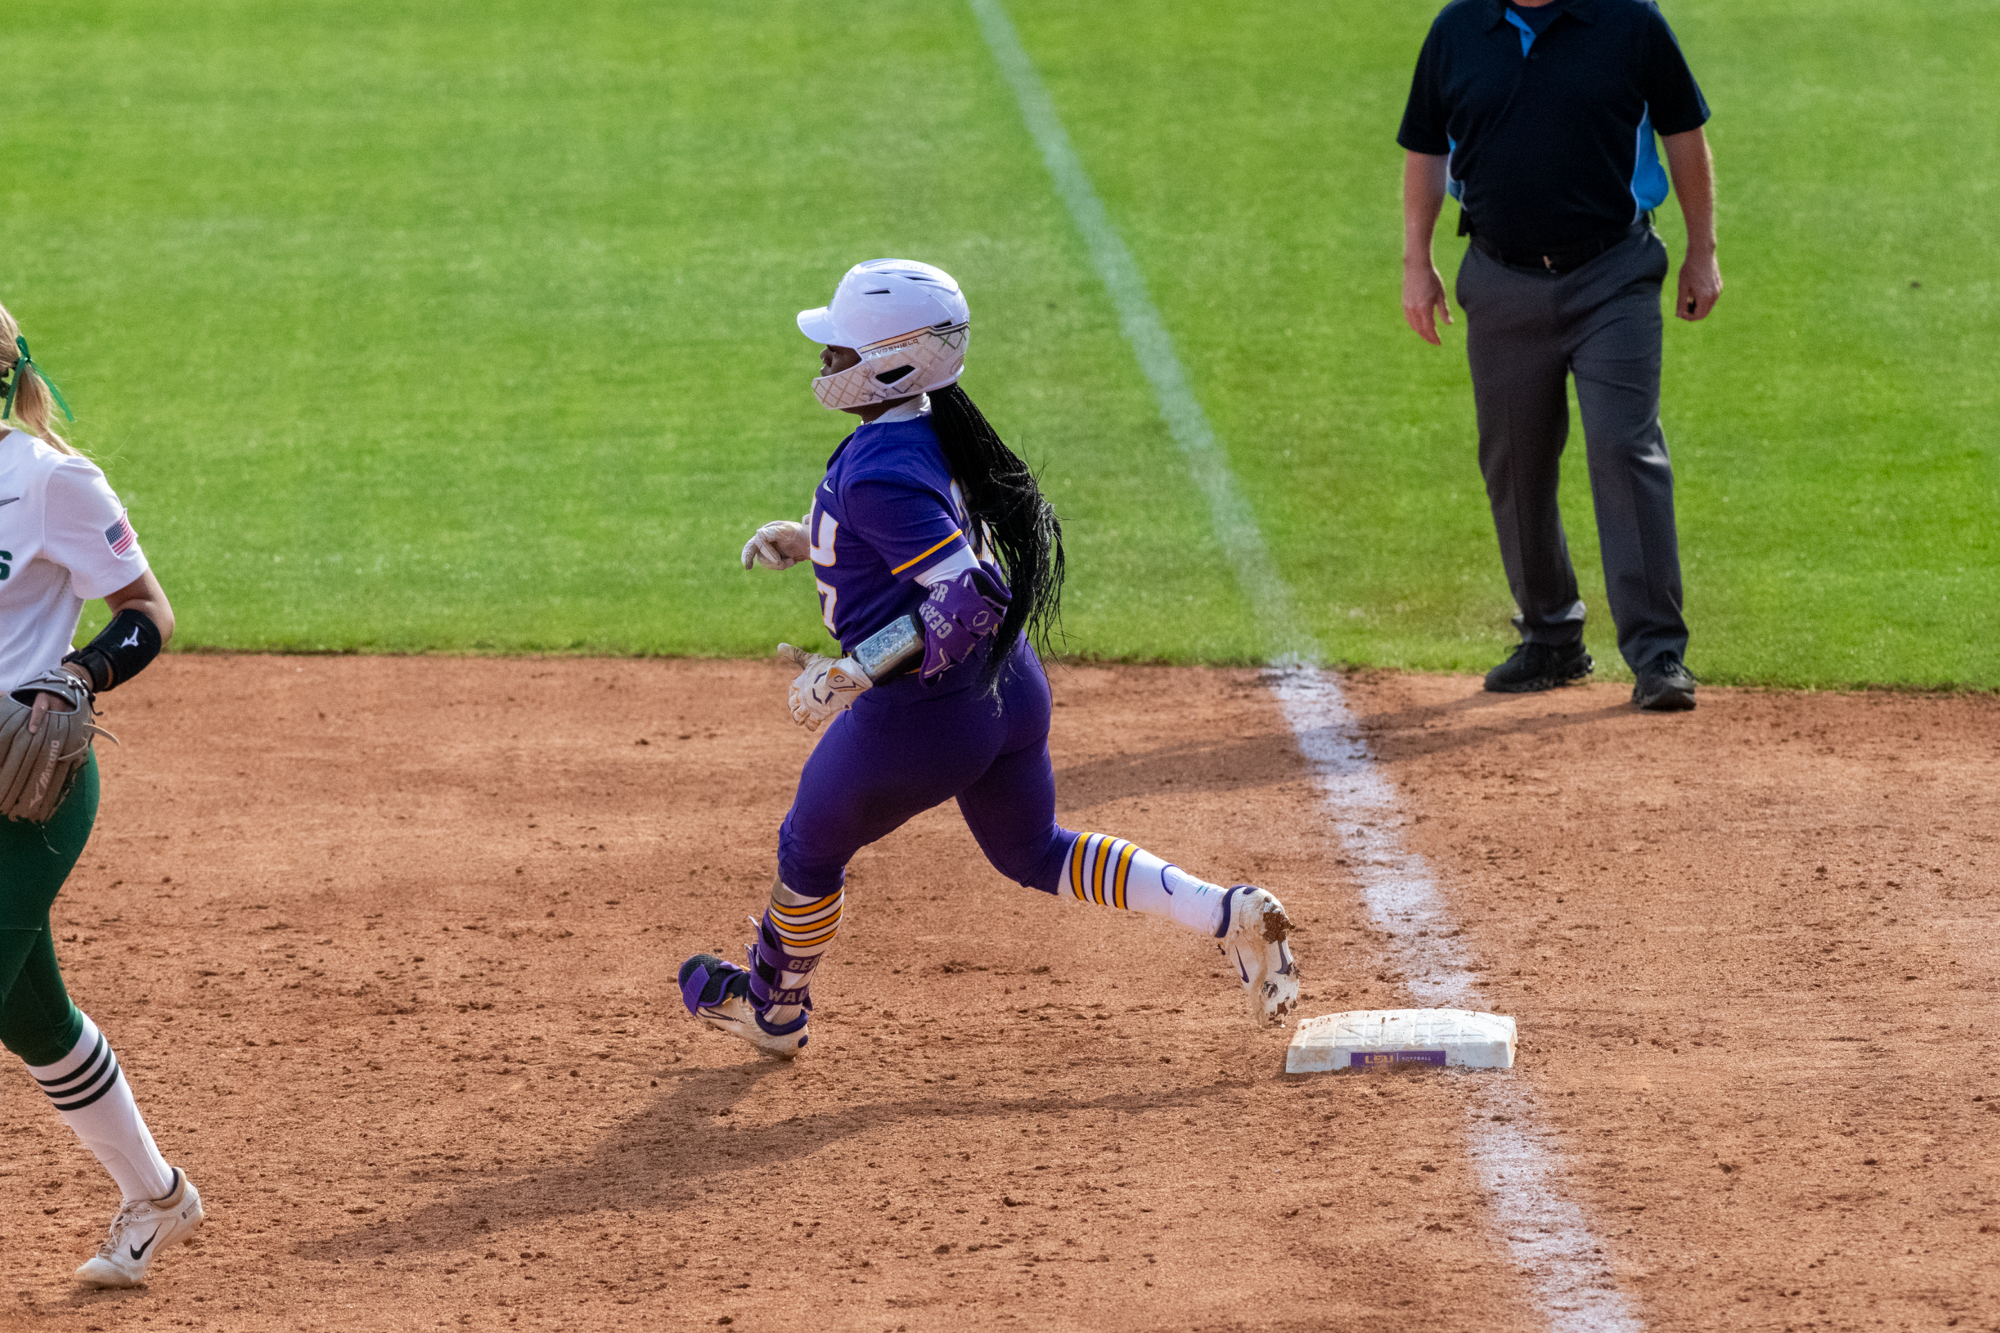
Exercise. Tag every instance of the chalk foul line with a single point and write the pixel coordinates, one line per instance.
(1546, 1232)
(1235, 525)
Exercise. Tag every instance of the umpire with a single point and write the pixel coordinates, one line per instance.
(1539, 117)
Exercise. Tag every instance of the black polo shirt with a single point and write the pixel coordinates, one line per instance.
(1551, 135)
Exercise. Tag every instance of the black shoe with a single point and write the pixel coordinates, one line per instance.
(1664, 686)
(1539, 666)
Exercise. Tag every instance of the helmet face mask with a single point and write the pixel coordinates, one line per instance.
(899, 367)
(908, 322)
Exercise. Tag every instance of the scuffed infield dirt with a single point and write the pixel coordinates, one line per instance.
(389, 956)
(1753, 951)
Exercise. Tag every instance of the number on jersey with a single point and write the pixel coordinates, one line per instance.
(822, 554)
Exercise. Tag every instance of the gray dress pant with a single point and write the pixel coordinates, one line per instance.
(1527, 330)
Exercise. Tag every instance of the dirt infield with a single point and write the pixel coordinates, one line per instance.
(389, 957)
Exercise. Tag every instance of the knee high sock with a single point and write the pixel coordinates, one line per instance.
(90, 1093)
(796, 931)
(1115, 873)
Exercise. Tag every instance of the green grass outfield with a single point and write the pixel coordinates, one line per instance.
(468, 327)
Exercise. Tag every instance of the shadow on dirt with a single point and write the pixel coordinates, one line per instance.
(679, 1148)
(97, 1298)
(1401, 735)
(1244, 763)
(1249, 762)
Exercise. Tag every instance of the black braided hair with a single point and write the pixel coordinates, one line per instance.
(1001, 495)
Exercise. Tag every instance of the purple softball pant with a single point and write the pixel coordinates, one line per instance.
(903, 748)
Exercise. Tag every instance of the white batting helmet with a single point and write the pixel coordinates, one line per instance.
(910, 323)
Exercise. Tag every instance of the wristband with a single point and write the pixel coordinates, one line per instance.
(896, 644)
(120, 651)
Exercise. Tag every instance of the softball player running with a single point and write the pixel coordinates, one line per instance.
(935, 555)
(65, 539)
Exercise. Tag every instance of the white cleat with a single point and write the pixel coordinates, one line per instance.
(718, 993)
(1253, 934)
(140, 1231)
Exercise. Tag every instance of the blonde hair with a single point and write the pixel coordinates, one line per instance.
(34, 405)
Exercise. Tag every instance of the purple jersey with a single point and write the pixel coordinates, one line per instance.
(887, 513)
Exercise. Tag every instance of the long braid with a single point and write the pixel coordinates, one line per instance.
(1000, 492)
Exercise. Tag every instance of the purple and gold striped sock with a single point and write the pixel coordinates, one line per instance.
(1113, 872)
(795, 932)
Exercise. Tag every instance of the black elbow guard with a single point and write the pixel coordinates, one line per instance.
(120, 651)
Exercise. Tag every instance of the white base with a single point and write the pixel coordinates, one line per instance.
(1372, 1038)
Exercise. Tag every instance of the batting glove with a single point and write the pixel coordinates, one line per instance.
(824, 687)
(777, 545)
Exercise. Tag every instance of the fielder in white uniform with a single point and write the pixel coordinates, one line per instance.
(64, 540)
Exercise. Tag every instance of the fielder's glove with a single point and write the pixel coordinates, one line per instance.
(824, 687)
(777, 545)
(38, 767)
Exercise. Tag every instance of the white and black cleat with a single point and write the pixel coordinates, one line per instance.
(718, 993)
(140, 1231)
(1254, 934)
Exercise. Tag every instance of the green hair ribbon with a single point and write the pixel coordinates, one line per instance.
(23, 366)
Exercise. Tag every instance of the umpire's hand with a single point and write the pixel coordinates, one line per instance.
(1423, 299)
(1700, 286)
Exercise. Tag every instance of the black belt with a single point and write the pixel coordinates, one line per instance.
(1568, 258)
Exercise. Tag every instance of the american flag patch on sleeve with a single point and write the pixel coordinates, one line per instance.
(120, 536)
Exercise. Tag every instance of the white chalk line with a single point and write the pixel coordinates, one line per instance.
(1546, 1233)
(1235, 525)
